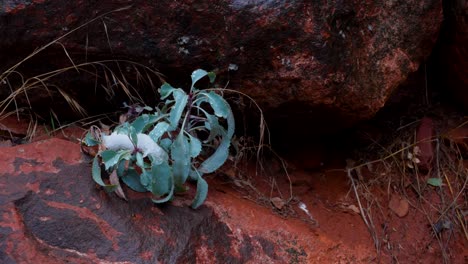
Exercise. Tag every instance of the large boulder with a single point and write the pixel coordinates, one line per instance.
(298, 57)
(52, 212)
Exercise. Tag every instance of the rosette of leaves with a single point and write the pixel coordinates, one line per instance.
(187, 137)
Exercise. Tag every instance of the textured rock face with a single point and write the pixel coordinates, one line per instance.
(51, 212)
(339, 56)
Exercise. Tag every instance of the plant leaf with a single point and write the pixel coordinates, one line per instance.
(194, 174)
(166, 144)
(176, 113)
(110, 158)
(145, 180)
(139, 160)
(114, 180)
(180, 153)
(202, 192)
(161, 179)
(123, 129)
(195, 146)
(217, 102)
(143, 122)
(90, 141)
(212, 76)
(215, 128)
(158, 131)
(217, 159)
(221, 109)
(132, 180)
(166, 90)
(139, 123)
(96, 173)
(436, 182)
(133, 136)
(121, 168)
(169, 195)
(197, 75)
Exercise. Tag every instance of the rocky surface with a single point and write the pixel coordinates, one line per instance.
(341, 58)
(52, 212)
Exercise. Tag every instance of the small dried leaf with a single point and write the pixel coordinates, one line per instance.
(353, 208)
(123, 118)
(416, 150)
(410, 156)
(277, 202)
(114, 180)
(410, 165)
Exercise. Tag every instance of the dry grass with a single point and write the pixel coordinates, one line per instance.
(107, 75)
(444, 207)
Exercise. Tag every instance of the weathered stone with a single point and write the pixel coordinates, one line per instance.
(51, 211)
(339, 58)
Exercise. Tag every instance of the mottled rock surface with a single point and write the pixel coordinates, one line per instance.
(339, 58)
(52, 212)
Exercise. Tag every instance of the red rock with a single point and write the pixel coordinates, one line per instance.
(342, 57)
(398, 205)
(52, 212)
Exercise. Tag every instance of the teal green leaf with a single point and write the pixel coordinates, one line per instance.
(132, 180)
(139, 123)
(197, 75)
(181, 101)
(165, 199)
(145, 179)
(180, 153)
(110, 158)
(161, 179)
(123, 129)
(133, 136)
(217, 102)
(436, 182)
(143, 122)
(215, 128)
(90, 141)
(158, 131)
(194, 174)
(195, 146)
(217, 159)
(166, 90)
(169, 195)
(202, 192)
(121, 168)
(166, 144)
(139, 160)
(96, 173)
